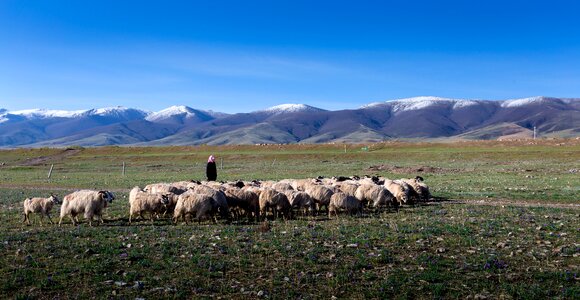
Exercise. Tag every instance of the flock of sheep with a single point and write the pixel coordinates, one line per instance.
(186, 200)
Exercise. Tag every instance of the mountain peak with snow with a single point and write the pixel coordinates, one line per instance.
(421, 102)
(523, 101)
(180, 114)
(290, 108)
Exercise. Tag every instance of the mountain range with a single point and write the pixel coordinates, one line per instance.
(411, 118)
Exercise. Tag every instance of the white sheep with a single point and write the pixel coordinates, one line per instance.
(43, 206)
(397, 190)
(375, 194)
(282, 186)
(300, 201)
(194, 204)
(87, 202)
(321, 195)
(302, 184)
(276, 201)
(244, 200)
(142, 202)
(164, 188)
(216, 194)
(348, 188)
(412, 196)
(420, 187)
(342, 201)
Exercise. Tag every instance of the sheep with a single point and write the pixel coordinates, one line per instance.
(342, 201)
(141, 202)
(217, 195)
(321, 195)
(369, 180)
(245, 200)
(420, 187)
(39, 205)
(218, 186)
(302, 184)
(376, 194)
(267, 183)
(253, 189)
(347, 187)
(412, 196)
(87, 202)
(301, 201)
(282, 186)
(278, 202)
(164, 188)
(191, 203)
(397, 190)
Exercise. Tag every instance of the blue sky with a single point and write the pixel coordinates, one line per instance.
(239, 56)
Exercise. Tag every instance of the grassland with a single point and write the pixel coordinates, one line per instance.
(507, 226)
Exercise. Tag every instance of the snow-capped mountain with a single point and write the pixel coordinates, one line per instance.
(290, 108)
(181, 115)
(416, 103)
(113, 112)
(418, 117)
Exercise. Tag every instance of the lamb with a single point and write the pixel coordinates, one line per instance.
(190, 203)
(301, 201)
(342, 201)
(245, 200)
(321, 195)
(397, 190)
(141, 202)
(90, 203)
(39, 205)
(376, 194)
(276, 201)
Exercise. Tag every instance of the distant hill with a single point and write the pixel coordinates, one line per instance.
(411, 118)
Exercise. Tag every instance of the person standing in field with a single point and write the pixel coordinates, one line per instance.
(211, 169)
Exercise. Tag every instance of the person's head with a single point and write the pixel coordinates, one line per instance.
(211, 159)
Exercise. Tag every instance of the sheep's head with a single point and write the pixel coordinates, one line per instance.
(419, 178)
(239, 184)
(107, 196)
(54, 199)
(165, 199)
(404, 197)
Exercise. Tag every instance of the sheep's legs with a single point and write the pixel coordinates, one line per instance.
(50, 219)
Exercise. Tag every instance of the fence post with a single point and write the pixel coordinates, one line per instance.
(221, 163)
(50, 171)
(123, 168)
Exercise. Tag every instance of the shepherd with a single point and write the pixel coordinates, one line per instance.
(211, 170)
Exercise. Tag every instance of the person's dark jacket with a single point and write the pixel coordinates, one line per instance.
(211, 171)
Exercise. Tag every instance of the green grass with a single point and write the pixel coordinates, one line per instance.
(436, 251)
(441, 250)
